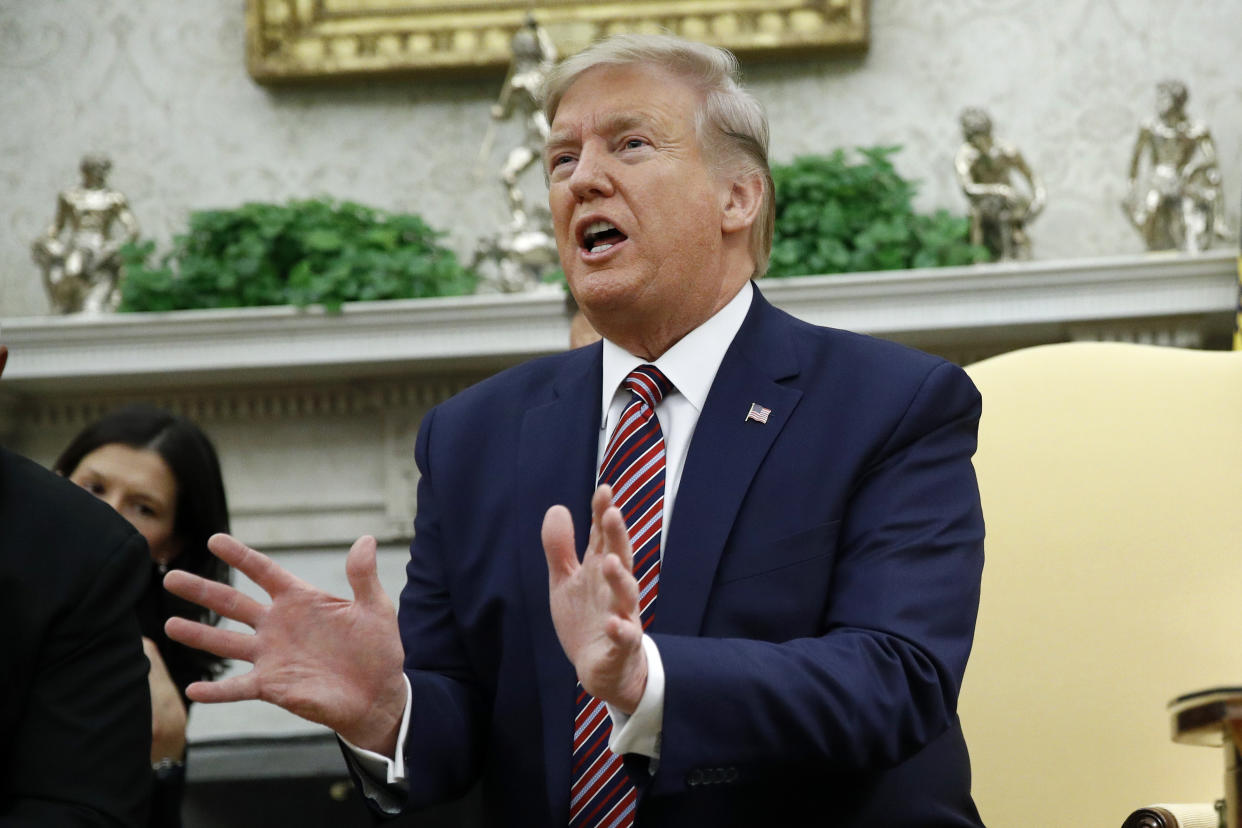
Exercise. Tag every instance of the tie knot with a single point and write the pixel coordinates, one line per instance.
(649, 384)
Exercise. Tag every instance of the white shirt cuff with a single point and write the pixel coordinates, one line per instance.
(383, 778)
(640, 731)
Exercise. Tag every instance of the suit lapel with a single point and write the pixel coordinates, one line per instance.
(556, 462)
(724, 454)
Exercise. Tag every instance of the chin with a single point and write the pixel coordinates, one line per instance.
(604, 288)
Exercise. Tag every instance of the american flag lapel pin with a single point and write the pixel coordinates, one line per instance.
(758, 413)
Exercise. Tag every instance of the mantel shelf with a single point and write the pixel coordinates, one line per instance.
(936, 308)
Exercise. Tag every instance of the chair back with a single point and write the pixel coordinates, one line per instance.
(1111, 479)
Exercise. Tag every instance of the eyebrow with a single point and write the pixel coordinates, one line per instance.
(621, 121)
(609, 125)
(92, 473)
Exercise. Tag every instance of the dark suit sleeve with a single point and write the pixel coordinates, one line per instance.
(444, 749)
(80, 753)
(878, 674)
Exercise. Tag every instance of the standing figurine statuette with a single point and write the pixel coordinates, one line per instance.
(999, 211)
(1177, 202)
(534, 55)
(517, 256)
(80, 251)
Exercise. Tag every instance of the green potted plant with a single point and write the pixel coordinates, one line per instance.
(314, 251)
(837, 215)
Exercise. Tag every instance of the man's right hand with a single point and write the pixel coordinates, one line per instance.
(329, 660)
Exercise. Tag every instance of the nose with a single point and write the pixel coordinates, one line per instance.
(592, 173)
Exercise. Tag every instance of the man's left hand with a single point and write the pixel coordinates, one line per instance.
(595, 602)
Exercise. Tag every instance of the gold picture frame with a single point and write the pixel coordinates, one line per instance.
(293, 40)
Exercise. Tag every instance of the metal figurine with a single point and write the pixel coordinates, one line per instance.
(1179, 202)
(79, 253)
(999, 211)
(533, 56)
(518, 256)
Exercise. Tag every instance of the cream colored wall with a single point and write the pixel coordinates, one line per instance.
(160, 85)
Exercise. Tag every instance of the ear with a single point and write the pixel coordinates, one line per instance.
(741, 206)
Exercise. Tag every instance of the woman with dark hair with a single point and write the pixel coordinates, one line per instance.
(160, 472)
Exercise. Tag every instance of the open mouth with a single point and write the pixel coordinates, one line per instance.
(600, 236)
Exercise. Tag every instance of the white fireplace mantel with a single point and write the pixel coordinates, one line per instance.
(963, 312)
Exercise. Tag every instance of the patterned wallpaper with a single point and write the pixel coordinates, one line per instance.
(160, 85)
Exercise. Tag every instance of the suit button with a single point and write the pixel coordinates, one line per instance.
(695, 778)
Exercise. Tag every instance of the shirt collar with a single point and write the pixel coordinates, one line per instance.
(691, 363)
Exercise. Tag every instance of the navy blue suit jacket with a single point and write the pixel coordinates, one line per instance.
(817, 596)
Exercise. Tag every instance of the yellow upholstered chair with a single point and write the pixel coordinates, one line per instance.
(1111, 477)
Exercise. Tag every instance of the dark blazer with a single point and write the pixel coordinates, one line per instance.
(817, 596)
(75, 709)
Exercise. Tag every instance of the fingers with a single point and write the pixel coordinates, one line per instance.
(254, 565)
(361, 572)
(609, 535)
(625, 634)
(233, 688)
(616, 537)
(601, 501)
(558, 543)
(622, 585)
(224, 643)
(222, 599)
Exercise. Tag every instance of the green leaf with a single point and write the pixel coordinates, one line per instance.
(302, 252)
(852, 212)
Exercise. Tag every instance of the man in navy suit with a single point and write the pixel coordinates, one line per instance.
(819, 535)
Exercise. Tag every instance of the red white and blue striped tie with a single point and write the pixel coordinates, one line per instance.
(602, 795)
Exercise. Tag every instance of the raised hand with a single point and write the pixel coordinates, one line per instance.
(329, 660)
(595, 603)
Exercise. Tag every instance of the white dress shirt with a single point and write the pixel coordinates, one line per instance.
(691, 366)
